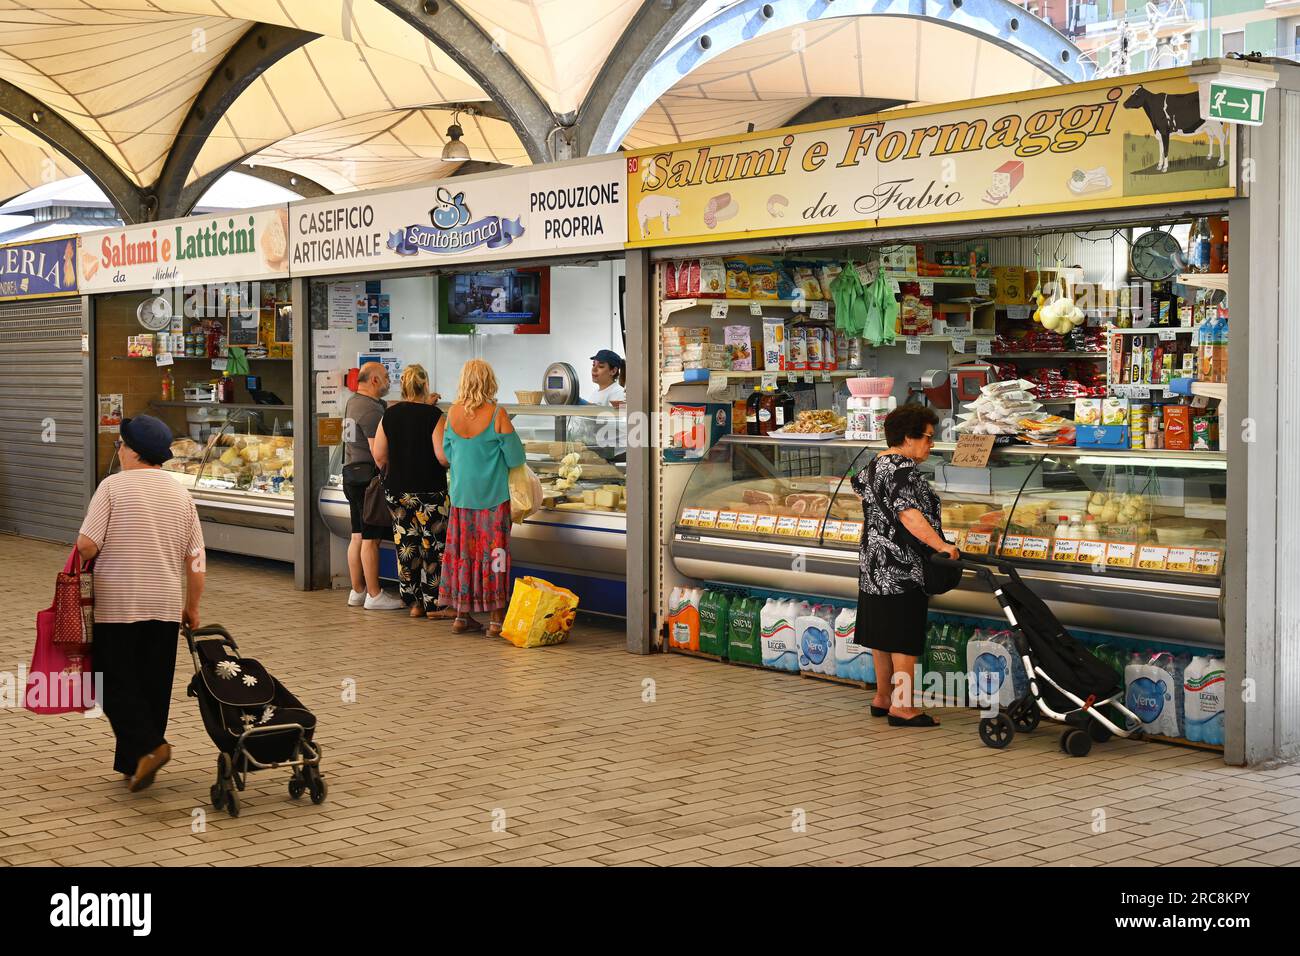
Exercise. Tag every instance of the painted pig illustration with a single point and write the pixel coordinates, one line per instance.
(662, 207)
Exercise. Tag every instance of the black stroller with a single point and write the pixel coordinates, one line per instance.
(254, 720)
(1074, 683)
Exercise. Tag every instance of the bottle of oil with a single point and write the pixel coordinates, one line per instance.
(751, 411)
(767, 411)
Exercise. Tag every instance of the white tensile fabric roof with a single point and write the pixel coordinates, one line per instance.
(367, 102)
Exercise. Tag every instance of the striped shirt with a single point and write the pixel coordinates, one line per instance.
(148, 532)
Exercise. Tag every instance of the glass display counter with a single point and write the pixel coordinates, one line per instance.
(1130, 543)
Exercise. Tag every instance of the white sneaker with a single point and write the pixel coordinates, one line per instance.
(383, 602)
(356, 598)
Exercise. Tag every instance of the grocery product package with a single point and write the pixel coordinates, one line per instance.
(764, 278)
(715, 607)
(1204, 688)
(1152, 691)
(853, 661)
(997, 672)
(684, 619)
(743, 644)
(777, 635)
(815, 634)
(540, 613)
(737, 278)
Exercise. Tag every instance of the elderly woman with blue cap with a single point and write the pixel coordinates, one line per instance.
(143, 534)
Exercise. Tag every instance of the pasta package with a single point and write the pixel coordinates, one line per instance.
(806, 284)
(737, 278)
(764, 278)
(712, 279)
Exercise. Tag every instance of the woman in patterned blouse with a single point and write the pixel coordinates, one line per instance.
(892, 603)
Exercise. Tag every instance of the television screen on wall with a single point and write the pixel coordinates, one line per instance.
(506, 297)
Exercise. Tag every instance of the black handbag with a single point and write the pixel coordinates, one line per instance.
(374, 507)
(939, 579)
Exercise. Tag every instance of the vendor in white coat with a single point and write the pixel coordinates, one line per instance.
(609, 373)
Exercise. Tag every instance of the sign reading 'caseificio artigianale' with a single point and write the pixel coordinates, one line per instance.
(1090, 146)
(550, 210)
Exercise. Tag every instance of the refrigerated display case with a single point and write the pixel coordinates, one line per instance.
(242, 481)
(579, 538)
(1124, 543)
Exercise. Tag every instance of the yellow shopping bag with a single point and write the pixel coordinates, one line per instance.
(539, 614)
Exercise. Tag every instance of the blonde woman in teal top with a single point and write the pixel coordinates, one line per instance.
(477, 442)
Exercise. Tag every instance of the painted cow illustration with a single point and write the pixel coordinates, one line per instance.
(1176, 113)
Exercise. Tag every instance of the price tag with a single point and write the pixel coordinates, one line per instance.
(768, 380)
(707, 519)
(1091, 552)
(1121, 554)
(1207, 562)
(719, 310)
(808, 527)
(1152, 557)
(913, 345)
(219, 364)
(1168, 335)
(756, 309)
(959, 343)
(726, 521)
(953, 537)
(1012, 545)
(1035, 548)
(766, 524)
(1065, 549)
(690, 517)
(1139, 391)
(981, 286)
(329, 432)
(973, 450)
(808, 378)
(983, 346)
(164, 358)
(1181, 559)
(831, 529)
(894, 287)
(745, 522)
(927, 286)
(851, 531)
(819, 311)
(977, 542)
(1019, 313)
(826, 376)
(787, 525)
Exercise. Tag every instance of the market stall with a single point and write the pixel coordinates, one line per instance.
(193, 323)
(1049, 270)
(523, 268)
(45, 426)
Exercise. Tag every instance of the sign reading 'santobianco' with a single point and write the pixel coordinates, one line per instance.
(244, 245)
(1089, 146)
(550, 210)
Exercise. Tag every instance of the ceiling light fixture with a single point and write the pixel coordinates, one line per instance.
(455, 151)
(37, 116)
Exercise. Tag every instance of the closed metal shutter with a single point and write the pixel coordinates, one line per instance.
(44, 449)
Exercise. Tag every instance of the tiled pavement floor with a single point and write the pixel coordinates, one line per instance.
(560, 749)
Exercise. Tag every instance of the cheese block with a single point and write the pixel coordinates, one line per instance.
(605, 499)
(589, 498)
(571, 506)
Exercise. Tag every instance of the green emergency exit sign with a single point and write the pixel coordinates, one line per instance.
(1236, 104)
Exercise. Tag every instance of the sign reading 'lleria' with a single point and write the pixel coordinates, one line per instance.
(244, 245)
(566, 208)
(1111, 143)
(34, 270)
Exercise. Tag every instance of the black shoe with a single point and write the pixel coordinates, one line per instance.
(920, 720)
(879, 711)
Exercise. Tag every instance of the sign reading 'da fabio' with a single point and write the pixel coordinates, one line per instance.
(232, 247)
(1105, 143)
(33, 270)
(541, 211)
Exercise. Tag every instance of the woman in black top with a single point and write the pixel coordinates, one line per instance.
(416, 491)
(892, 603)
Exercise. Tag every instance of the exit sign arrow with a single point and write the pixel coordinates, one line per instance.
(1236, 104)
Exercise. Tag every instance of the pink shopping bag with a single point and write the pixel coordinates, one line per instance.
(61, 679)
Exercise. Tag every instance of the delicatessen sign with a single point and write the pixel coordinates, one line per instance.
(247, 244)
(574, 207)
(1097, 144)
(34, 270)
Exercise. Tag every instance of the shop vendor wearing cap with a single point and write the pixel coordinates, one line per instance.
(609, 373)
(143, 534)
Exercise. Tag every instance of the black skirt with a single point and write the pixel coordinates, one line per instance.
(894, 623)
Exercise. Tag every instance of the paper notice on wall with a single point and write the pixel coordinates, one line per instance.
(329, 392)
(324, 348)
(110, 413)
(342, 306)
(718, 385)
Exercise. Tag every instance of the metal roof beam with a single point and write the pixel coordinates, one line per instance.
(252, 55)
(457, 34)
(828, 108)
(646, 36)
(131, 202)
(285, 178)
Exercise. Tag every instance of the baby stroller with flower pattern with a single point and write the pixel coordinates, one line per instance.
(254, 720)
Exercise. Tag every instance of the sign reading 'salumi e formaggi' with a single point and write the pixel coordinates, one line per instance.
(1131, 141)
(246, 244)
(35, 270)
(562, 209)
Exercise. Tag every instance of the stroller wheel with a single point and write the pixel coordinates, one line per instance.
(318, 789)
(1099, 733)
(997, 732)
(232, 804)
(295, 788)
(1026, 720)
(1076, 743)
(218, 796)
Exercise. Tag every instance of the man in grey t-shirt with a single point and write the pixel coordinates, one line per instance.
(361, 420)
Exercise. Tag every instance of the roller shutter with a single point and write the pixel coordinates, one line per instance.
(44, 448)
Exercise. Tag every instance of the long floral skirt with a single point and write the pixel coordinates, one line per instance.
(476, 564)
(420, 534)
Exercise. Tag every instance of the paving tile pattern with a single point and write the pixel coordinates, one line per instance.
(467, 751)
